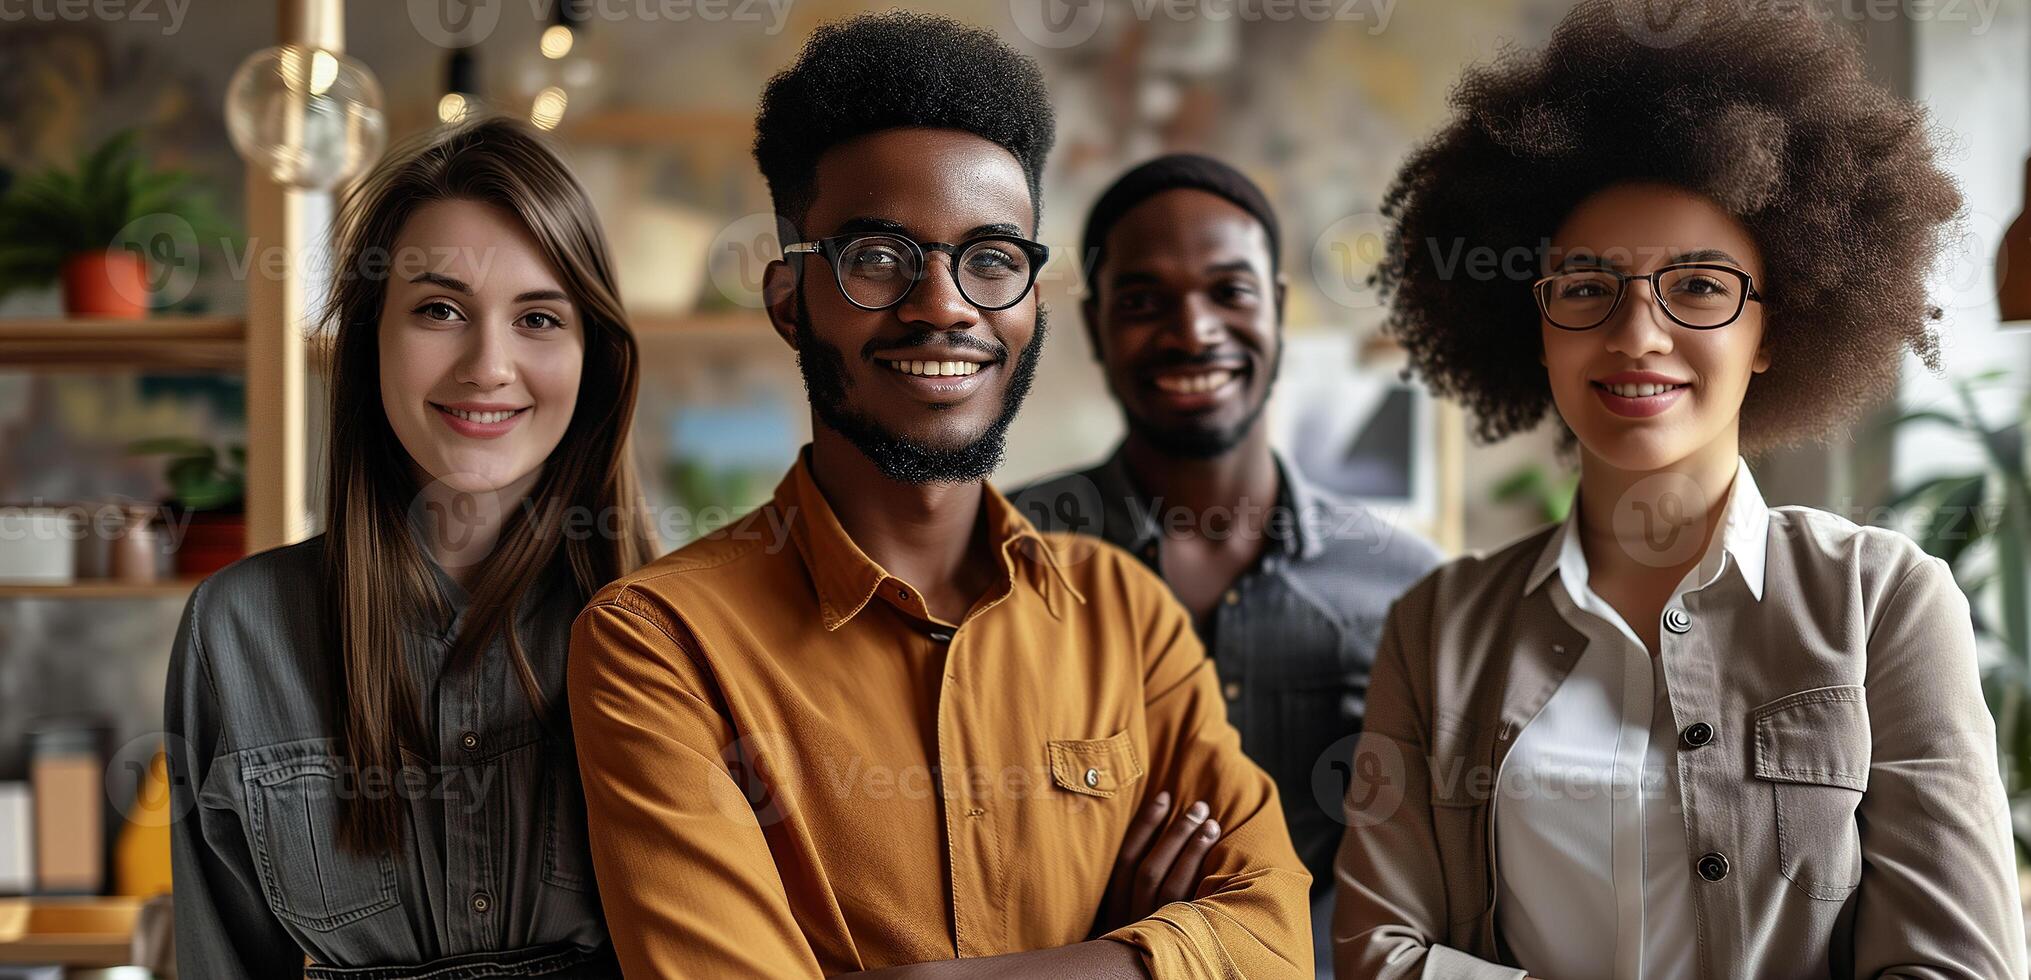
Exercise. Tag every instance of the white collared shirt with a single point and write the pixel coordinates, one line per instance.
(1592, 865)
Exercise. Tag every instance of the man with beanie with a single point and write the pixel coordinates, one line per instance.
(1287, 586)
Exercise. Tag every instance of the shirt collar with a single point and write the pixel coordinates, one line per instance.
(846, 578)
(447, 616)
(1745, 537)
(1119, 497)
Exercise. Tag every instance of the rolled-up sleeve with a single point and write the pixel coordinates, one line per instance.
(686, 877)
(1252, 914)
(1391, 905)
(1938, 897)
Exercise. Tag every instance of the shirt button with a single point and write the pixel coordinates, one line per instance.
(471, 740)
(1713, 866)
(903, 594)
(1233, 597)
(939, 636)
(1697, 734)
(480, 902)
(1092, 778)
(1676, 620)
(1232, 690)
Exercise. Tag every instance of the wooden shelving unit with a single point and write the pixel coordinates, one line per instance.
(158, 343)
(101, 589)
(74, 932)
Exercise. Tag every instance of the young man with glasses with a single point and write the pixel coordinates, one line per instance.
(883, 724)
(1287, 584)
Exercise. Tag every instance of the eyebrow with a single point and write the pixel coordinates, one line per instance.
(1136, 278)
(866, 223)
(1695, 255)
(460, 286)
(1706, 255)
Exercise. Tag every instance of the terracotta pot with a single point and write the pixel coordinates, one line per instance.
(2013, 264)
(211, 541)
(112, 283)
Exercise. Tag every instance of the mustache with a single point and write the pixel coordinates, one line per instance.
(1173, 359)
(936, 338)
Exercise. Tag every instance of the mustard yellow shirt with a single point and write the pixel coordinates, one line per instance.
(793, 769)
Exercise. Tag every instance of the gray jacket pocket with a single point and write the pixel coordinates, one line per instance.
(307, 877)
(1813, 749)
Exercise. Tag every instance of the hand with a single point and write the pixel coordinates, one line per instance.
(1155, 869)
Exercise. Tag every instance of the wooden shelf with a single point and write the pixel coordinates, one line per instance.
(101, 589)
(166, 342)
(81, 932)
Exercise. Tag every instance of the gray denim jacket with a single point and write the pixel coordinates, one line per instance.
(494, 877)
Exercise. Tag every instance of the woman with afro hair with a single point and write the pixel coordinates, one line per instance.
(1681, 733)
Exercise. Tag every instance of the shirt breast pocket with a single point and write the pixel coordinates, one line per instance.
(567, 858)
(1812, 748)
(308, 878)
(1095, 783)
(1100, 768)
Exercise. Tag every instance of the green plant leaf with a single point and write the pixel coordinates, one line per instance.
(1929, 488)
(1957, 519)
(1926, 415)
(1523, 483)
(172, 445)
(209, 493)
(64, 212)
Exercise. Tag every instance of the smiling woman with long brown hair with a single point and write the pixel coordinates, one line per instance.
(376, 767)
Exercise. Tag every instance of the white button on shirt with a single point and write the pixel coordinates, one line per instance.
(1593, 871)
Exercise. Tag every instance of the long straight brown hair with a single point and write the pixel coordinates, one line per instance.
(377, 582)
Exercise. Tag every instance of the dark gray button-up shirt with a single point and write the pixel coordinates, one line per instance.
(1293, 639)
(493, 878)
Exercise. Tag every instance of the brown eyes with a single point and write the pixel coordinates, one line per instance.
(442, 312)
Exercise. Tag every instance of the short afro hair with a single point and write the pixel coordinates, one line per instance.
(1770, 116)
(898, 69)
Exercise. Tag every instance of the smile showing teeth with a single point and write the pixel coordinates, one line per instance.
(484, 418)
(1193, 384)
(935, 369)
(1639, 391)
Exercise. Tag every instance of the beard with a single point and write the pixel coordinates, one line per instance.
(1195, 441)
(900, 457)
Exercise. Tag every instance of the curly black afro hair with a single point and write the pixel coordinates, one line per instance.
(1768, 115)
(882, 71)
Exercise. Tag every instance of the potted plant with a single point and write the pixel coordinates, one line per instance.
(1980, 524)
(207, 498)
(93, 229)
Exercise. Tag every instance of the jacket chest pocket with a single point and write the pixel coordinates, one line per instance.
(567, 857)
(1812, 749)
(308, 878)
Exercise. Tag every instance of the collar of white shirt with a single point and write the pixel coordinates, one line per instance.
(1744, 537)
